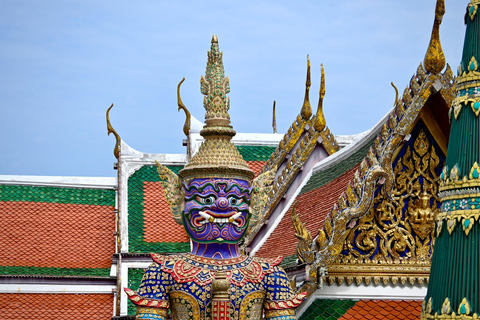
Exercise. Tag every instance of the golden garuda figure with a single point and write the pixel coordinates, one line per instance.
(217, 200)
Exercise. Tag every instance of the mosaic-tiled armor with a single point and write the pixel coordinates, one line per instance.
(216, 198)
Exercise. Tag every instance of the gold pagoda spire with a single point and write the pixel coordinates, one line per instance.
(306, 112)
(434, 61)
(320, 123)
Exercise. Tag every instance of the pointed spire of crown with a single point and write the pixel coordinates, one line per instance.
(217, 156)
(215, 87)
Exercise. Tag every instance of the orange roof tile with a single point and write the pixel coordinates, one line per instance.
(256, 166)
(159, 225)
(313, 206)
(15, 306)
(384, 309)
(59, 235)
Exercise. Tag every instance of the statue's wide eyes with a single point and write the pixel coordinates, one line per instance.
(208, 201)
(234, 201)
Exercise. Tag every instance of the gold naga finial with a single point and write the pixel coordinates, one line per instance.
(306, 112)
(304, 236)
(274, 121)
(186, 126)
(320, 122)
(396, 93)
(116, 149)
(434, 61)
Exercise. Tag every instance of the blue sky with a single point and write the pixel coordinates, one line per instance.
(64, 62)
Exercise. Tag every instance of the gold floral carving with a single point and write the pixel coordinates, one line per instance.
(252, 306)
(390, 243)
(304, 253)
(184, 306)
(273, 314)
(261, 187)
(173, 190)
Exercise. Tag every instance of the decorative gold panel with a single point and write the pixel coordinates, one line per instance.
(394, 240)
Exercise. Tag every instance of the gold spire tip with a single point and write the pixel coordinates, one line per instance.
(214, 39)
(320, 123)
(434, 61)
(306, 112)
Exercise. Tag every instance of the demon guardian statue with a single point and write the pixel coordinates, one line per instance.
(216, 198)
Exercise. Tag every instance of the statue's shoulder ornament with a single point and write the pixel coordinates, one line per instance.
(239, 271)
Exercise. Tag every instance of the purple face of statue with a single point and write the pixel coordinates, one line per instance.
(216, 210)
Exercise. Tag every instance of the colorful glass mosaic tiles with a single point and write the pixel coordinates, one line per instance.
(144, 225)
(56, 231)
(16, 306)
(187, 284)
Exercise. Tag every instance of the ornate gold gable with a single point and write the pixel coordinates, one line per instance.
(394, 239)
(391, 176)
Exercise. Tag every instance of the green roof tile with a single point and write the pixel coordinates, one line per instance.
(81, 272)
(321, 178)
(327, 309)
(82, 196)
(256, 153)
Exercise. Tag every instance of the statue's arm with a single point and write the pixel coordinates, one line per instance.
(151, 298)
(280, 300)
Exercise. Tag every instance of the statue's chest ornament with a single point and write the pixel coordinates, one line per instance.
(238, 271)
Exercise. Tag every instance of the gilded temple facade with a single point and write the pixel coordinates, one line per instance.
(355, 218)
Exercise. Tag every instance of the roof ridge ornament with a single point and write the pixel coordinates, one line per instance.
(306, 112)
(435, 58)
(188, 119)
(320, 123)
(274, 119)
(117, 148)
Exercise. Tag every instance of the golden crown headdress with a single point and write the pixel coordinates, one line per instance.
(217, 156)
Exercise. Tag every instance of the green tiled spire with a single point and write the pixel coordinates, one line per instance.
(453, 290)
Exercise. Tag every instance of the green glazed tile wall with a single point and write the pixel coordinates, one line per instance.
(136, 218)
